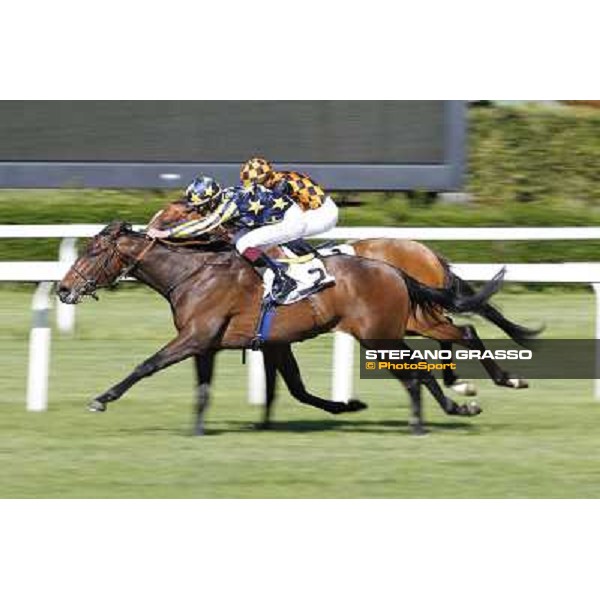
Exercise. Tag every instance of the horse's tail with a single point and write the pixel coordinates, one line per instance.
(518, 333)
(451, 297)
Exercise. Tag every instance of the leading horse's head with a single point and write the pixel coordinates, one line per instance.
(100, 265)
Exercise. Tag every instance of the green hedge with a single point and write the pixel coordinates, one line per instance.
(532, 154)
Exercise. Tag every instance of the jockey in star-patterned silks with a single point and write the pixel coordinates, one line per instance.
(264, 218)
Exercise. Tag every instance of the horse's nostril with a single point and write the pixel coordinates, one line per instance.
(62, 291)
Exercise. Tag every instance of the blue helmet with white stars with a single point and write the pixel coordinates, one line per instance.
(203, 190)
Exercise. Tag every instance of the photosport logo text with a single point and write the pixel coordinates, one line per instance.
(540, 359)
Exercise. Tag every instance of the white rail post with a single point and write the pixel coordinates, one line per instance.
(39, 349)
(257, 385)
(596, 287)
(65, 313)
(343, 362)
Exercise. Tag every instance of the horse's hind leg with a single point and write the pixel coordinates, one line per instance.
(447, 404)
(413, 387)
(466, 335)
(440, 327)
(451, 380)
(413, 381)
(205, 364)
(282, 357)
(470, 339)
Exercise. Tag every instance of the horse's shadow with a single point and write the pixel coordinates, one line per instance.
(303, 426)
(300, 426)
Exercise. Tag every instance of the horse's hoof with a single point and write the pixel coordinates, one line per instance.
(418, 430)
(355, 405)
(96, 406)
(263, 426)
(517, 383)
(473, 409)
(464, 388)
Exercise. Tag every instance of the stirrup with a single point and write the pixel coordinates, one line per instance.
(287, 285)
(256, 343)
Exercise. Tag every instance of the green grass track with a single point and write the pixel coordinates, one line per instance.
(541, 442)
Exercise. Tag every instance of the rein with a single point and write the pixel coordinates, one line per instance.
(220, 235)
(127, 270)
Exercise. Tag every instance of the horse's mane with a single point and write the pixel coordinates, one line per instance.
(197, 248)
(202, 245)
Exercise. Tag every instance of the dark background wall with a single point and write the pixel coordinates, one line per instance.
(222, 131)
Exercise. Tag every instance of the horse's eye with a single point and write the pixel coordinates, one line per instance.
(96, 249)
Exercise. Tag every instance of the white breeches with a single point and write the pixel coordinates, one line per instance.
(295, 224)
(291, 227)
(320, 219)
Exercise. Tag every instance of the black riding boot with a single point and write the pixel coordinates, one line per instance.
(283, 284)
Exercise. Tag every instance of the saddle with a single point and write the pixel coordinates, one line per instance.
(304, 264)
(305, 268)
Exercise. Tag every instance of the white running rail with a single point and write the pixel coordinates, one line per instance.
(45, 272)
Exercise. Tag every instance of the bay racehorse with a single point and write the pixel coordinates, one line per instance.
(216, 297)
(413, 258)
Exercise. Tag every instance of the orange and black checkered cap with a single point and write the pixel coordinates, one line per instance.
(255, 170)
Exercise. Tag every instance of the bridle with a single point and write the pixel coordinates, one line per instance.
(101, 271)
(92, 283)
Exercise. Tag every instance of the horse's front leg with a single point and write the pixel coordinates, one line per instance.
(205, 364)
(183, 346)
